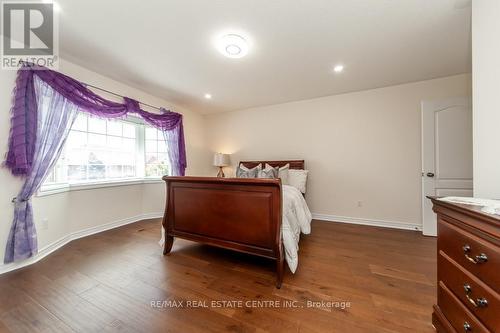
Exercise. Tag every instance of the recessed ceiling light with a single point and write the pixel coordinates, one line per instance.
(232, 46)
(338, 68)
(208, 96)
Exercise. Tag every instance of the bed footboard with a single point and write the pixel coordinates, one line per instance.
(234, 213)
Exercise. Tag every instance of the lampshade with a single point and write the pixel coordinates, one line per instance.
(221, 160)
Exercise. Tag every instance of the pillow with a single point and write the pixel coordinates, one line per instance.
(268, 172)
(298, 179)
(244, 172)
(283, 174)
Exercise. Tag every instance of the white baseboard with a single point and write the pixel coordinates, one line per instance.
(48, 249)
(370, 222)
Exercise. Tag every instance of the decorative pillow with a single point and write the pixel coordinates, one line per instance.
(298, 179)
(268, 172)
(244, 172)
(283, 174)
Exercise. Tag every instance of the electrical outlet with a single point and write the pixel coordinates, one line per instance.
(360, 203)
(45, 224)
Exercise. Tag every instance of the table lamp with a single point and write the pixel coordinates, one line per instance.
(221, 160)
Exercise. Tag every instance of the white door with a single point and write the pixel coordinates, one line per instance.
(446, 153)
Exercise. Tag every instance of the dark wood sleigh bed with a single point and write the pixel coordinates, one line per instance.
(241, 214)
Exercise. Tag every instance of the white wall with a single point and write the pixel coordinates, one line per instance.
(362, 146)
(486, 97)
(76, 210)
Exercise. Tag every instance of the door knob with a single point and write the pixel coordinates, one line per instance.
(430, 174)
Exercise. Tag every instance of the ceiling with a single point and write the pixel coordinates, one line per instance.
(166, 47)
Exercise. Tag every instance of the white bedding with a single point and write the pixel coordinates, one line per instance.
(296, 219)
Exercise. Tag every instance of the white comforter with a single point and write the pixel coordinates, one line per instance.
(296, 219)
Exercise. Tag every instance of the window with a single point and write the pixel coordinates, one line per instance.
(100, 150)
(156, 153)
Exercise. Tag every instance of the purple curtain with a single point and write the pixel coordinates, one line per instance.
(54, 119)
(22, 136)
(44, 106)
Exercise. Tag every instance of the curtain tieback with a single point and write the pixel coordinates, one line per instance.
(15, 199)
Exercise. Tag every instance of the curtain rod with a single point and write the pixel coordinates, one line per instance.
(118, 95)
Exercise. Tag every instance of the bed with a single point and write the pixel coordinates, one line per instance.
(256, 216)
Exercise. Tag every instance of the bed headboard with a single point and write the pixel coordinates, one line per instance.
(294, 164)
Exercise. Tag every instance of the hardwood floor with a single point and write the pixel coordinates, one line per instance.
(110, 282)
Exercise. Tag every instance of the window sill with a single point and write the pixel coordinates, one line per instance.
(60, 188)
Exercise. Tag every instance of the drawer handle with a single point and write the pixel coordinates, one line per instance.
(478, 303)
(481, 258)
(467, 327)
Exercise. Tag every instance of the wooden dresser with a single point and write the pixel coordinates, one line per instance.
(468, 288)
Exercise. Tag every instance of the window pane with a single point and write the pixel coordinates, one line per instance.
(114, 171)
(126, 159)
(128, 145)
(156, 170)
(77, 172)
(151, 133)
(97, 125)
(151, 146)
(128, 130)
(129, 171)
(156, 158)
(97, 157)
(114, 128)
(76, 140)
(162, 146)
(115, 142)
(76, 157)
(151, 158)
(163, 158)
(163, 170)
(97, 140)
(97, 171)
(152, 170)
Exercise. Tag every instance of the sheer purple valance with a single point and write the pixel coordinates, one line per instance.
(24, 117)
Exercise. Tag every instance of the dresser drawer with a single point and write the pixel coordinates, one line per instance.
(440, 323)
(456, 313)
(469, 250)
(469, 289)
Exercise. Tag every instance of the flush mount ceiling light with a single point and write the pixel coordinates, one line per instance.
(232, 46)
(208, 96)
(338, 68)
